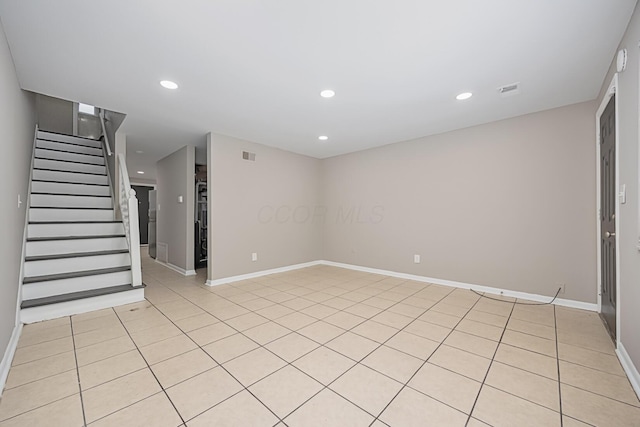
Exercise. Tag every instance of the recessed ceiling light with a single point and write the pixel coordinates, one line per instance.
(169, 84)
(139, 151)
(141, 172)
(464, 95)
(323, 137)
(327, 93)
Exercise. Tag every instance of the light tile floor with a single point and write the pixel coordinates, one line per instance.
(321, 346)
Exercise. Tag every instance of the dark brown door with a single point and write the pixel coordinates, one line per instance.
(608, 215)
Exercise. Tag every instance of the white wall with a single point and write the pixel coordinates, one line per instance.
(628, 120)
(267, 207)
(17, 123)
(175, 177)
(509, 204)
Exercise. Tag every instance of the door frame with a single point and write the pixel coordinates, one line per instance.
(611, 91)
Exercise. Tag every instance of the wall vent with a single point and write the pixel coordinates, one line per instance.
(510, 89)
(249, 156)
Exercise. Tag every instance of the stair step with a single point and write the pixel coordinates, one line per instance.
(68, 166)
(97, 236)
(75, 255)
(75, 284)
(73, 274)
(47, 267)
(68, 147)
(49, 193)
(69, 207)
(74, 244)
(70, 182)
(69, 177)
(75, 222)
(59, 137)
(68, 171)
(48, 153)
(73, 296)
(59, 149)
(53, 214)
(60, 201)
(69, 189)
(79, 303)
(57, 229)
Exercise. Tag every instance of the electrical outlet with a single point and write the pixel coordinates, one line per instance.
(254, 256)
(416, 259)
(562, 288)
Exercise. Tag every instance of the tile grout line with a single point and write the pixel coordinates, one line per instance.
(150, 370)
(358, 362)
(75, 356)
(406, 384)
(31, 382)
(490, 364)
(244, 388)
(183, 298)
(338, 310)
(343, 310)
(555, 324)
(320, 345)
(45, 377)
(370, 318)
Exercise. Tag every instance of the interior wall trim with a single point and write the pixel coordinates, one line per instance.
(479, 288)
(7, 359)
(629, 368)
(177, 269)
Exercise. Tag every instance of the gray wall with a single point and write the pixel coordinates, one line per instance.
(17, 123)
(266, 206)
(509, 204)
(113, 121)
(54, 114)
(629, 297)
(175, 177)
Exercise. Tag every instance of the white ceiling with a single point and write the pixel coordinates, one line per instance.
(253, 69)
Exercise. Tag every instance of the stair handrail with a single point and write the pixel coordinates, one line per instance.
(129, 211)
(104, 132)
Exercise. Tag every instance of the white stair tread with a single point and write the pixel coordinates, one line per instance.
(80, 305)
(48, 153)
(52, 136)
(68, 147)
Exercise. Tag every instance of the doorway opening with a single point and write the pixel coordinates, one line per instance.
(142, 194)
(200, 225)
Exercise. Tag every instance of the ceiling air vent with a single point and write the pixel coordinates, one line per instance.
(249, 156)
(510, 89)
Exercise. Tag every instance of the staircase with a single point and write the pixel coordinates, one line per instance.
(77, 256)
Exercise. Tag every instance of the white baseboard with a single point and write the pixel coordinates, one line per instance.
(177, 269)
(462, 285)
(5, 364)
(232, 279)
(629, 368)
(478, 288)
